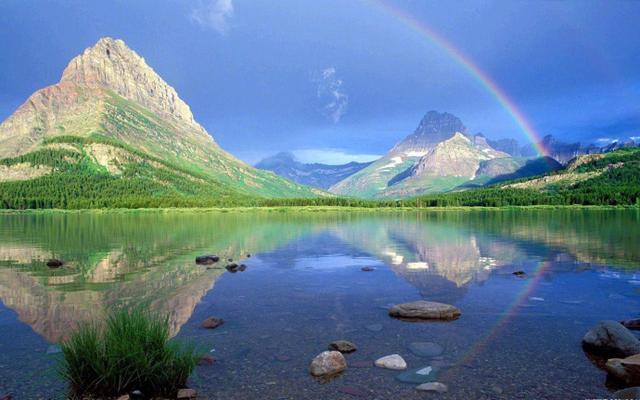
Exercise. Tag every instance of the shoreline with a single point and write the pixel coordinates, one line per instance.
(316, 209)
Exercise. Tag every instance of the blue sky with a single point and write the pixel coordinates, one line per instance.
(337, 80)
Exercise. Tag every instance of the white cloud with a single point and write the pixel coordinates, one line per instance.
(634, 138)
(331, 92)
(605, 140)
(331, 156)
(214, 14)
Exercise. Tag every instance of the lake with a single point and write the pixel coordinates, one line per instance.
(518, 337)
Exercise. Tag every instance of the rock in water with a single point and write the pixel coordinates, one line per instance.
(425, 349)
(328, 363)
(612, 339)
(207, 260)
(367, 269)
(343, 346)
(418, 375)
(432, 387)
(393, 361)
(353, 391)
(625, 369)
(186, 394)
(633, 324)
(212, 323)
(54, 263)
(232, 267)
(519, 273)
(632, 393)
(422, 309)
(206, 360)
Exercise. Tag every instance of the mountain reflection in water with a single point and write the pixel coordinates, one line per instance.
(127, 259)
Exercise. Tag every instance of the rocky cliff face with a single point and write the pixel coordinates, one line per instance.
(110, 91)
(438, 156)
(110, 64)
(434, 128)
(457, 156)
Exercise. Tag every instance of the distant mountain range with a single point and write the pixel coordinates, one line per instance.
(113, 129)
(317, 175)
(440, 155)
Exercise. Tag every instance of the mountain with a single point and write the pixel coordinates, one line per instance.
(113, 127)
(611, 178)
(440, 155)
(565, 152)
(509, 146)
(322, 176)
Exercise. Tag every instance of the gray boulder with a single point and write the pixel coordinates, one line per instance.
(626, 370)
(425, 310)
(612, 339)
(328, 363)
(343, 346)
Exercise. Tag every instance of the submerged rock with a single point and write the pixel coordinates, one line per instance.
(374, 327)
(343, 346)
(626, 370)
(612, 339)
(519, 273)
(393, 361)
(207, 260)
(432, 387)
(242, 267)
(367, 269)
(425, 349)
(418, 375)
(628, 393)
(212, 323)
(185, 394)
(206, 360)
(633, 324)
(423, 309)
(328, 363)
(54, 263)
(354, 391)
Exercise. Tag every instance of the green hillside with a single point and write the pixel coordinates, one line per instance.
(597, 179)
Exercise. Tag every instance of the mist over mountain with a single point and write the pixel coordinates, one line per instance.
(314, 174)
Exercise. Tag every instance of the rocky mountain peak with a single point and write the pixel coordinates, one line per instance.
(111, 64)
(434, 128)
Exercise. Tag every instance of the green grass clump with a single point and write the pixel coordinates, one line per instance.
(130, 352)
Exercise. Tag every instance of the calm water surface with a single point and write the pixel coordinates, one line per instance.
(303, 288)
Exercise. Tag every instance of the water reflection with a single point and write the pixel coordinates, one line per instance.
(127, 259)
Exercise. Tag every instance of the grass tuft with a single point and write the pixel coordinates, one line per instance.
(132, 351)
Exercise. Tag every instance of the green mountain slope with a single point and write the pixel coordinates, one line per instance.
(596, 179)
(112, 117)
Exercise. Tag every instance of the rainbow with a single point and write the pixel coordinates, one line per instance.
(478, 74)
(508, 315)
